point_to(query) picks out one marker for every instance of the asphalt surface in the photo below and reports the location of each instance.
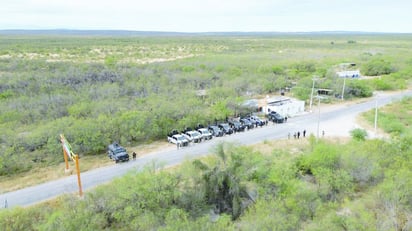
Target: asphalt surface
(335, 120)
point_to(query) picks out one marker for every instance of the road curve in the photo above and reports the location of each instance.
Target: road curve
(342, 115)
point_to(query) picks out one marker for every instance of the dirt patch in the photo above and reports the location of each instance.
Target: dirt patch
(150, 148)
(48, 173)
(159, 60)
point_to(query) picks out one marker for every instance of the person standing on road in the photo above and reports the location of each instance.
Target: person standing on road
(298, 135)
(134, 155)
(304, 133)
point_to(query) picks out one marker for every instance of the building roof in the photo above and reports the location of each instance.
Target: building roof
(345, 65)
(251, 103)
(346, 74)
(280, 100)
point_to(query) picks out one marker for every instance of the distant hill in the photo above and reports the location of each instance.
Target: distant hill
(90, 32)
(166, 33)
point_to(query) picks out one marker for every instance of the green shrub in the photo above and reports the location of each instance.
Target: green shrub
(377, 67)
(389, 82)
(356, 88)
(359, 134)
(23, 218)
(322, 156)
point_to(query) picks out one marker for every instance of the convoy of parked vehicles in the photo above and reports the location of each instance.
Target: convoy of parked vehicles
(202, 133)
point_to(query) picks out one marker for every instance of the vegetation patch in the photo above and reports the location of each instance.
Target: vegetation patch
(329, 185)
(134, 90)
(353, 185)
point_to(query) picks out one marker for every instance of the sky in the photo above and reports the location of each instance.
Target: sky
(209, 15)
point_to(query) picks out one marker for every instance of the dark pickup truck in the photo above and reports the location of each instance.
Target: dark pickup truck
(275, 117)
(117, 153)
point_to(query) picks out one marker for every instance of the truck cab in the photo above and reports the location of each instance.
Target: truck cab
(117, 153)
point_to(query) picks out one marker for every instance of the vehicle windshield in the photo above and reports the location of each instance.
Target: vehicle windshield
(225, 126)
(203, 130)
(181, 138)
(119, 150)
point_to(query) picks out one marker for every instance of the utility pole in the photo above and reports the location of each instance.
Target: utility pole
(318, 116)
(376, 116)
(311, 94)
(343, 88)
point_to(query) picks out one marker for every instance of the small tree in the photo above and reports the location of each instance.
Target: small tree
(377, 67)
(223, 186)
(359, 134)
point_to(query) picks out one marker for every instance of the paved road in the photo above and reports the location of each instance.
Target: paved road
(338, 120)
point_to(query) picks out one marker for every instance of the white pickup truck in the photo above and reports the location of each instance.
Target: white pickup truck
(177, 139)
(206, 135)
(193, 136)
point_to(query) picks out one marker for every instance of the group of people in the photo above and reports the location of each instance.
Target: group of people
(296, 135)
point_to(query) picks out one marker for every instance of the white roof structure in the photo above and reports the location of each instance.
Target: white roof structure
(349, 74)
(278, 100)
(285, 106)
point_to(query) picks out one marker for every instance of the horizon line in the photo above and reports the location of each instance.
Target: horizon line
(199, 32)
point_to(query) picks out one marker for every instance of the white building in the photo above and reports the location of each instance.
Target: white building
(285, 106)
(349, 74)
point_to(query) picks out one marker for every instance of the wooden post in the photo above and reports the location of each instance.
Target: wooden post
(67, 152)
(65, 160)
(64, 153)
(76, 158)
